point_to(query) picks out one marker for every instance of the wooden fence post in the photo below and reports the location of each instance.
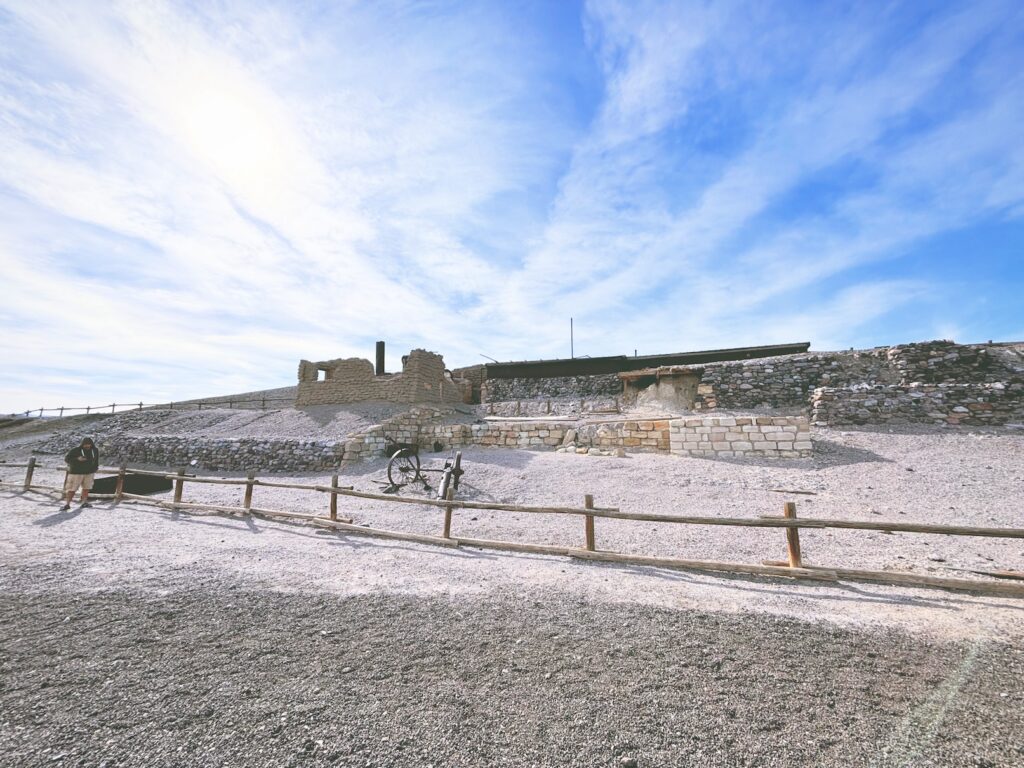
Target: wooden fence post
(179, 486)
(140, 406)
(448, 513)
(29, 472)
(250, 482)
(334, 498)
(61, 412)
(588, 502)
(119, 488)
(792, 537)
(87, 408)
(112, 407)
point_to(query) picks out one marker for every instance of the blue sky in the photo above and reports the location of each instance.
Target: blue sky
(194, 196)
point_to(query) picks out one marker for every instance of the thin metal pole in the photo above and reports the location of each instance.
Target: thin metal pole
(572, 345)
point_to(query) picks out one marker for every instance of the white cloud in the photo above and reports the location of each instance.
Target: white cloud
(194, 194)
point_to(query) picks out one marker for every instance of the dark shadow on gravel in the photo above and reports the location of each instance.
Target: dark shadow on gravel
(58, 517)
(768, 585)
(829, 453)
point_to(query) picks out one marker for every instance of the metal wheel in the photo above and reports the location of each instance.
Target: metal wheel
(404, 467)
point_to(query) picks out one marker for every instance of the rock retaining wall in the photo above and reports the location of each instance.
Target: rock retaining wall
(559, 387)
(927, 382)
(222, 454)
(705, 436)
(968, 404)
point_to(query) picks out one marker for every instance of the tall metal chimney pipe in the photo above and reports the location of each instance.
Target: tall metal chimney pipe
(380, 358)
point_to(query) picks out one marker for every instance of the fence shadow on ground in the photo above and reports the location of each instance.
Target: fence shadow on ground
(782, 587)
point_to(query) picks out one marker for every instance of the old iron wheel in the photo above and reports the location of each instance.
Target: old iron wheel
(404, 467)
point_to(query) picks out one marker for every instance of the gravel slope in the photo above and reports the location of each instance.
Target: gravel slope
(217, 674)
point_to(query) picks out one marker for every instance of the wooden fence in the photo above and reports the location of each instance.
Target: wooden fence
(181, 406)
(792, 567)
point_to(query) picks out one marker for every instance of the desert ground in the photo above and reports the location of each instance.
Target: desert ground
(134, 635)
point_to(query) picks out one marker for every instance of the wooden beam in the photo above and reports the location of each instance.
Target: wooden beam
(792, 536)
(179, 485)
(588, 522)
(29, 471)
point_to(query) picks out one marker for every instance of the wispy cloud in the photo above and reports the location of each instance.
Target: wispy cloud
(197, 196)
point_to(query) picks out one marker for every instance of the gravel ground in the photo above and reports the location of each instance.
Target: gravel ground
(135, 636)
(211, 672)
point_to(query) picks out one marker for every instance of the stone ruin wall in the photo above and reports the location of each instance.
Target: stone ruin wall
(704, 436)
(352, 380)
(928, 382)
(554, 388)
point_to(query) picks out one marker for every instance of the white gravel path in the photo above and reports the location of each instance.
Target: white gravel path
(917, 475)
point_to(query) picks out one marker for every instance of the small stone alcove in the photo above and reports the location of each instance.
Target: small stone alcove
(676, 387)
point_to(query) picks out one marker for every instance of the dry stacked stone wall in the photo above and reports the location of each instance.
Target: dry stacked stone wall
(981, 405)
(927, 382)
(560, 387)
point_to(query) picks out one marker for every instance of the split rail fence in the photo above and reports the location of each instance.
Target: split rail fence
(792, 567)
(180, 406)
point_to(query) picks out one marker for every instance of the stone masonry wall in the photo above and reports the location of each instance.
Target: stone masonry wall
(969, 377)
(350, 380)
(918, 403)
(704, 436)
(225, 454)
(494, 390)
(742, 436)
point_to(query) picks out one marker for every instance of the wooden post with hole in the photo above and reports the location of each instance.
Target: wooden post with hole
(179, 485)
(448, 514)
(588, 502)
(250, 482)
(119, 488)
(334, 498)
(792, 537)
(29, 471)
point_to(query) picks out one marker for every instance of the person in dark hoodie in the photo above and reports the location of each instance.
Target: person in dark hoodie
(82, 462)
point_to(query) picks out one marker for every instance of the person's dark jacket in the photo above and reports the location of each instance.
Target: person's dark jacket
(82, 461)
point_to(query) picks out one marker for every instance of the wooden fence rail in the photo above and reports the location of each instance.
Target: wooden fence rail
(793, 567)
(185, 405)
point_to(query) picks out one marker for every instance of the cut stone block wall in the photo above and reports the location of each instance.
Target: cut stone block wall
(351, 380)
(741, 436)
